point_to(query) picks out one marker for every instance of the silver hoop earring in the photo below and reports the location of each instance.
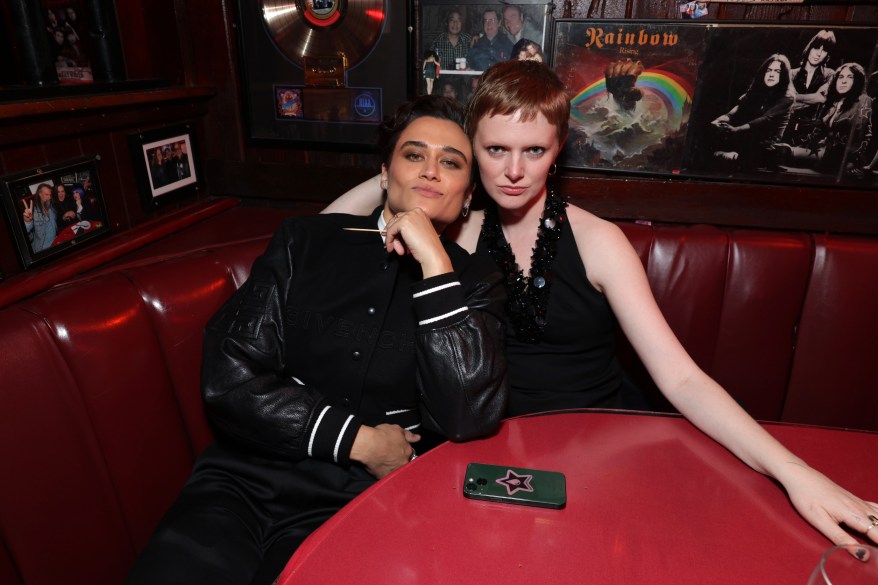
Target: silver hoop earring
(465, 210)
(553, 169)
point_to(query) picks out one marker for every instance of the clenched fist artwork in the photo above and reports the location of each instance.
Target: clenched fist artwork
(621, 77)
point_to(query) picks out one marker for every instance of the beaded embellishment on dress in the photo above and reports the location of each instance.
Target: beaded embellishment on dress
(527, 297)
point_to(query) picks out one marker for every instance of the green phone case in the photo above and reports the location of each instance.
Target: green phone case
(515, 485)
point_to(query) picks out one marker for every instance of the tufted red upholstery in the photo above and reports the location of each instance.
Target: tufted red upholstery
(100, 412)
(833, 378)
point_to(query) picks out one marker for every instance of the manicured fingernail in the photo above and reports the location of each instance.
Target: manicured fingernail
(861, 553)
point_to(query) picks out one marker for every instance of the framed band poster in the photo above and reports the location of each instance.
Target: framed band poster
(743, 101)
(322, 72)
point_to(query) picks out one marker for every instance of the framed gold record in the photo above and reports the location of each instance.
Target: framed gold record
(321, 28)
(344, 62)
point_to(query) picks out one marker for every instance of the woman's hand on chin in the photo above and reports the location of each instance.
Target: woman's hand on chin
(412, 232)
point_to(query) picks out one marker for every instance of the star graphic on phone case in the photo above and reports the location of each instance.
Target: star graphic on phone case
(515, 483)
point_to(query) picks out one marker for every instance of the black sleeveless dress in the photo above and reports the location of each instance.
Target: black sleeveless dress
(574, 365)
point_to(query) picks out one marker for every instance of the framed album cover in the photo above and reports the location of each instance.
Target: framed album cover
(457, 41)
(54, 209)
(766, 103)
(164, 164)
(69, 39)
(322, 74)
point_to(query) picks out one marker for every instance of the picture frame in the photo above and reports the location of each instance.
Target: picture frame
(165, 164)
(456, 41)
(678, 98)
(55, 209)
(70, 43)
(325, 74)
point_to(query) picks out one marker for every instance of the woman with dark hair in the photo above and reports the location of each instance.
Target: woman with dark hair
(64, 206)
(847, 120)
(840, 141)
(747, 133)
(811, 83)
(351, 334)
(430, 69)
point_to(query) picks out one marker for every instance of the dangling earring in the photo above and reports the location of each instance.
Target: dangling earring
(465, 210)
(553, 169)
(384, 184)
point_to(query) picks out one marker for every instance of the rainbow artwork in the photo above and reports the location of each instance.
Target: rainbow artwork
(674, 92)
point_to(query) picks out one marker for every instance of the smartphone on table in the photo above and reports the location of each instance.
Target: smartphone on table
(515, 485)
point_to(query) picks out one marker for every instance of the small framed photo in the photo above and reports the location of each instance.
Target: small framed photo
(54, 209)
(70, 43)
(164, 164)
(693, 9)
(288, 102)
(457, 41)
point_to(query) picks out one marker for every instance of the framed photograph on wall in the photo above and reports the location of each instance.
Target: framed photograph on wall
(164, 164)
(54, 209)
(69, 41)
(741, 101)
(457, 41)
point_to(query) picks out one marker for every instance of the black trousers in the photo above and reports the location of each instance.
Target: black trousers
(239, 518)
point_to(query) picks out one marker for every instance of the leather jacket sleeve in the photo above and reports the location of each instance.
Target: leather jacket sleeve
(461, 364)
(247, 396)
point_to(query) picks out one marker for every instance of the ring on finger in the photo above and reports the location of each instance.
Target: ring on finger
(873, 520)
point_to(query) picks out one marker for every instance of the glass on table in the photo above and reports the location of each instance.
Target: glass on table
(847, 565)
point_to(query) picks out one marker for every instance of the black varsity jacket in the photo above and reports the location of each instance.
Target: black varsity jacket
(330, 332)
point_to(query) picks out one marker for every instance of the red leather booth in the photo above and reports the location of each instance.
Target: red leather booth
(100, 413)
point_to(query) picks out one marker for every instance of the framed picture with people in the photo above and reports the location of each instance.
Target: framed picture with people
(457, 41)
(164, 164)
(777, 104)
(54, 209)
(70, 44)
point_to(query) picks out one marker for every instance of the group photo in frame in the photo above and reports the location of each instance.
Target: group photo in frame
(733, 101)
(69, 40)
(164, 164)
(457, 41)
(54, 209)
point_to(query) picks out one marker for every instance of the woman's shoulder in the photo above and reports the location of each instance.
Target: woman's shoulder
(587, 226)
(602, 246)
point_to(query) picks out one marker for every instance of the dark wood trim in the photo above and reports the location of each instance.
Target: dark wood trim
(732, 204)
(19, 111)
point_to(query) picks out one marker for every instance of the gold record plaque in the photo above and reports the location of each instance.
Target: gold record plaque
(322, 71)
(324, 28)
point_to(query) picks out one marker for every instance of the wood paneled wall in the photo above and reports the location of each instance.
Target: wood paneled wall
(191, 45)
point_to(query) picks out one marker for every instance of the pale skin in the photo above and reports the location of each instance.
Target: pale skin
(816, 56)
(45, 195)
(428, 183)
(28, 213)
(514, 157)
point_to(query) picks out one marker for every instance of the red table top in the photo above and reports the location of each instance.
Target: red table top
(650, 499)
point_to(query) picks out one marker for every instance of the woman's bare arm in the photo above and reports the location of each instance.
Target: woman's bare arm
(360, 200)
(615, 269)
